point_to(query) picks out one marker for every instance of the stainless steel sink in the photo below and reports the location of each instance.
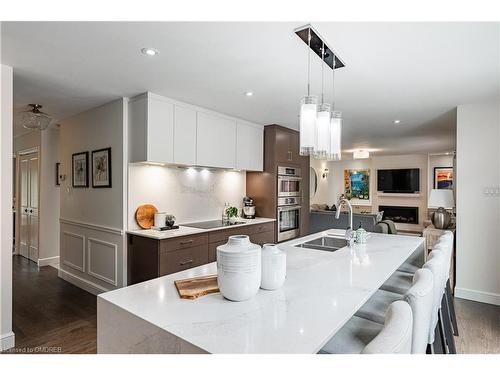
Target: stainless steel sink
(325, 243)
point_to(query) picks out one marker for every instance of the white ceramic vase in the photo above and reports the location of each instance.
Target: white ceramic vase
(238, 268)
(273, 267)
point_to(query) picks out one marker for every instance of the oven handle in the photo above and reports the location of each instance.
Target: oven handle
(289, 178)
(288, 208)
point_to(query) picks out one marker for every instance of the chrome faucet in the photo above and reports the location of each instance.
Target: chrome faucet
(349, 233)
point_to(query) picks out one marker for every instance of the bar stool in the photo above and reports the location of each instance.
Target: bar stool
(363, 336)
(446, 243)
(439, 338)
(420, 297)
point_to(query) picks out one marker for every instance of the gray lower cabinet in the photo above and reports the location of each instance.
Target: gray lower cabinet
(149, 258)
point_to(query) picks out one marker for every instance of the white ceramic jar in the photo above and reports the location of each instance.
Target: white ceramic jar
(273, 267)
(160, 219)
(238, 268)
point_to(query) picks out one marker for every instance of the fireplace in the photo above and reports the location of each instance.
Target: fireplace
(400, 214)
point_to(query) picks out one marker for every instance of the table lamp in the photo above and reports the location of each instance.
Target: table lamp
(441, 199)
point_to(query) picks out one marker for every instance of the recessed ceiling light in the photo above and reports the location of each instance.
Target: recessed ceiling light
(150, 51)
(249, 93)
(397, 122)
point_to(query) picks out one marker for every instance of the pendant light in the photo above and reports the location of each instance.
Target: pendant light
(335, 125)
(323, 118)
(308, 112)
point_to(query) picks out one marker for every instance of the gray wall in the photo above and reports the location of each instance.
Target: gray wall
(92, 220)
(478, 214)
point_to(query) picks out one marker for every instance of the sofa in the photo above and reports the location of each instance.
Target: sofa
(320, 220)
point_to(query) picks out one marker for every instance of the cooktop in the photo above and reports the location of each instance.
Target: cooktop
(211, 224)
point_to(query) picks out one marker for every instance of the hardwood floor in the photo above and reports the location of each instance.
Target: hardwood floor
(478, 326)
(50, 314)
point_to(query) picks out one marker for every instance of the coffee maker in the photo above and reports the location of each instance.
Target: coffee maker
(248, 208)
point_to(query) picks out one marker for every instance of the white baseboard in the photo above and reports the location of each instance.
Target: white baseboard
(7, 341)
(87, 285)
(478, 296)
(48, 261)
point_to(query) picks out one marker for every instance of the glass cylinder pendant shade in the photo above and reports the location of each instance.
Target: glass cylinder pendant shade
(308, 111)
(335, 136)
(323, 131)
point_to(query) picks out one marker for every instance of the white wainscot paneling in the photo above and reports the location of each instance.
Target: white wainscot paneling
(102, 260)
(73, 246)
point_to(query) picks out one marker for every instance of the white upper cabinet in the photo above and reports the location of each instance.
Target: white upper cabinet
(160, 131)
(184, 135)
(249, 147)
(151, 129)
(215, 141)
(163, 130)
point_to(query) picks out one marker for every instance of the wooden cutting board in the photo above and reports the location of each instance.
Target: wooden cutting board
(145, 215)
(197, 286)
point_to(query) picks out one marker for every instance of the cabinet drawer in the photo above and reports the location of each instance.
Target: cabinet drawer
(260, 228)
(262, 238)
(212, 250)
(223, 235)
(183, 259)
(183, 242)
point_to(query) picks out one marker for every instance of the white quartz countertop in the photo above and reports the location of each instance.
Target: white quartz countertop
(184, 230)
(321, 293)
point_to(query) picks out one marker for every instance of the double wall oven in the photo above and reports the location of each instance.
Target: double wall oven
(289, 204)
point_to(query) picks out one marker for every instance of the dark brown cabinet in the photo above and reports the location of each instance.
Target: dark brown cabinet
(287, 146)
(281, 148)
(149, 258)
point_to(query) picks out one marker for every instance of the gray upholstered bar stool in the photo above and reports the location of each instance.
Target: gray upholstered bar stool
(363, 336)
(400, 282)
(420, 297)
(446, 244)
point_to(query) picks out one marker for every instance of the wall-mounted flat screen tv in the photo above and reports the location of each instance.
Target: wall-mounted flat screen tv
(398, 180)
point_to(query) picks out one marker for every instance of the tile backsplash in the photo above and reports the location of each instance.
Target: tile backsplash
(189, 194)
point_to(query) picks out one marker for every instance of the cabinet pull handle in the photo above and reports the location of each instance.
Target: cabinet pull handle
(186, 262)
(31, 211)
(186, 242)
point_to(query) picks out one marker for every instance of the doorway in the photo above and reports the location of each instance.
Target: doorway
(28, 193)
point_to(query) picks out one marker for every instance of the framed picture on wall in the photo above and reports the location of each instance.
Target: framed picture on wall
(357, 184)
(58, 178)
(80, 169)
(101, 168)
(443, 178)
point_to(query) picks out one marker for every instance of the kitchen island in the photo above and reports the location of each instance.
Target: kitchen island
(322, 291)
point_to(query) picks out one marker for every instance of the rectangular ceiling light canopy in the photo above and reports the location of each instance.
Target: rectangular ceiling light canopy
(316, 45)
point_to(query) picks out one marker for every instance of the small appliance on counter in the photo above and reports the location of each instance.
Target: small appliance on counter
(248, 208)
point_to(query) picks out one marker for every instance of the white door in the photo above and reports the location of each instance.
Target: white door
(24, 206)
(28, 192)
(33, 209)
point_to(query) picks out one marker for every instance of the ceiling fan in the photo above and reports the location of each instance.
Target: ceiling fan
(36, 119)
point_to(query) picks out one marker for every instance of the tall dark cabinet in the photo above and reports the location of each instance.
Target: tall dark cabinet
(281, 148)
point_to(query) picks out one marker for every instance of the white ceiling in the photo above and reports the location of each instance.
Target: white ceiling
(415, 72)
